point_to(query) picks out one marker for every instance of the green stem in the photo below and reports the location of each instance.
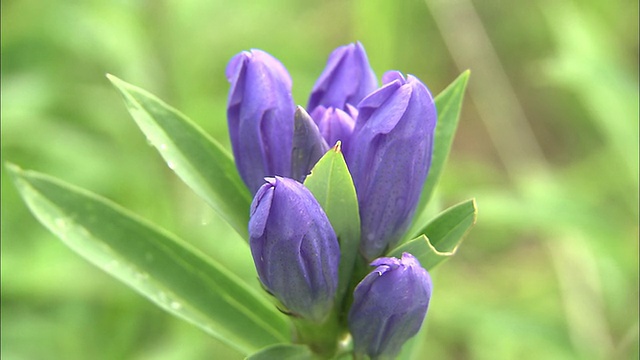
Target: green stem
(322, 338)
(360, 269)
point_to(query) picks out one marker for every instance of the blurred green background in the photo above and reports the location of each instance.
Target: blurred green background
(548, 144)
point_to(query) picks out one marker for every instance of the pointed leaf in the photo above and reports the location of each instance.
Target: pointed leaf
(448, 229)
(331, 184)
(202, 163)
(153, 262)
(448, 103)
(283, 352)
(442, 235)
(423, 250)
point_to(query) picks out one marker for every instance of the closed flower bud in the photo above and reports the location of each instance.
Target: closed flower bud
(389, 155)
(260, 115)
(294, 248)
(389, 306)
(308, 145)
(335, 124)
(346, 79)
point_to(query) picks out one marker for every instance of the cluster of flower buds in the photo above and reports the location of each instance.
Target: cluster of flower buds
(387, 137)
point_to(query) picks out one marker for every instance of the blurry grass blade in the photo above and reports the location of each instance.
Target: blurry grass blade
(200, 161)
(283, 352)
(331, 184)
(588, 62)
(448, 103)
(153, 262)
(442, 236)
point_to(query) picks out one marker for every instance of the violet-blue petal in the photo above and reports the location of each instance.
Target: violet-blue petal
(389, 306)
(294, 247)
(391, 76)
(346, 79)
(335, 124)
(389, 154)
(308, 145)
(260, 116)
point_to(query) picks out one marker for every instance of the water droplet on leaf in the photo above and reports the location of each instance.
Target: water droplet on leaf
(176, 305)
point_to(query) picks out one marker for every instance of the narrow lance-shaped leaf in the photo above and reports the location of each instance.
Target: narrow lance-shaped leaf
(442, 236)
(202, 163)
(330, 183)
(448, 103)
(153, 262)
(283, 352)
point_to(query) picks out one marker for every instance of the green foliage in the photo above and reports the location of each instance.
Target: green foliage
(199, 160)
(441, 237)
(283, 352)
(331, 184)
(153, 262)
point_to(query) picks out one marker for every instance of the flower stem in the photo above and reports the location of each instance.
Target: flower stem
(322, 338)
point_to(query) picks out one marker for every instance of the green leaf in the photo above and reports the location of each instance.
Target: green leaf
(448, 229)
(331, 184)
(442, 236)
(202, 163)
(448, 103)
(153, 262)
(283, 352)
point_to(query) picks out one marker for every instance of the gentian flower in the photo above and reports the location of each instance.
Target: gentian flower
(335, 124)
(346, 79)
(260, 116)
(389, 154)
(294, 247)
(308, 145)
(389, 306)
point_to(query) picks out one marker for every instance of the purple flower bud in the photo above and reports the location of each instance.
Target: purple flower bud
(260, 115)
(389, 154)
(389, 306)
(294, 248)
(308, 145)
(346, 79)
(335, 124)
